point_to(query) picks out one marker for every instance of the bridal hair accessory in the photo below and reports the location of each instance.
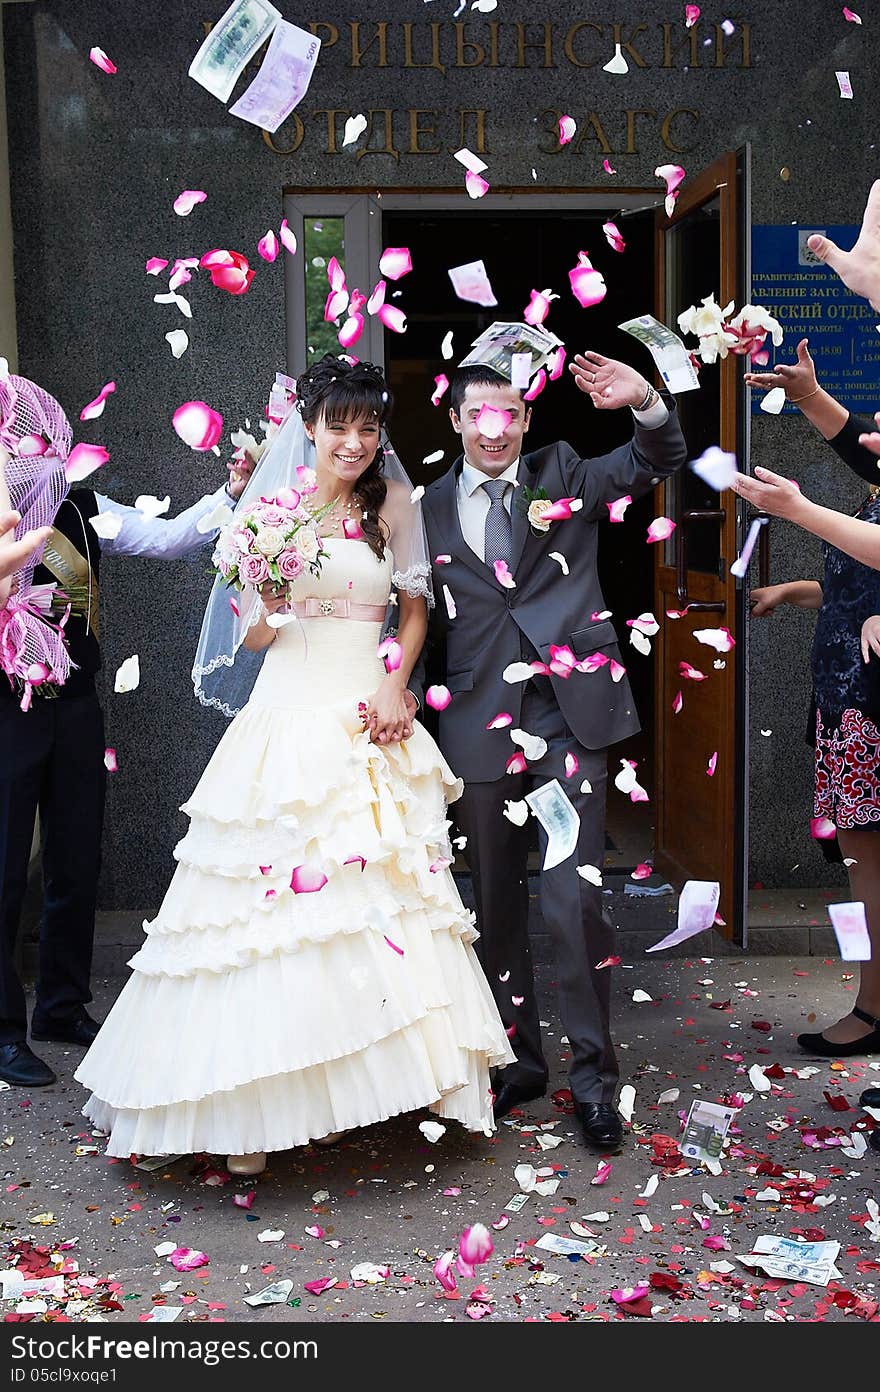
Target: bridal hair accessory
(37, 435)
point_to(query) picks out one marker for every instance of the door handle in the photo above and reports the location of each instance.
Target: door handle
(694, 515)
(764, 551)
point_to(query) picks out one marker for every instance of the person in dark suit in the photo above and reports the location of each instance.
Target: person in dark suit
(477, 524)
(52, 762)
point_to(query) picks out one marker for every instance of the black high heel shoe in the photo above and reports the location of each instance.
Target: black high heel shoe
(868, 1044)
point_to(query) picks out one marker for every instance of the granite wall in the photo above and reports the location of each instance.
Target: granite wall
(97, 160)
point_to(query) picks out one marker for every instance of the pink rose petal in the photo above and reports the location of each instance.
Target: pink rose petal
(712, 765)
(110, 763)
(516, 763)
(84, 460)
(318, 1287)
(245, 1200)
(335, 274)
(234, 607)
(443, 560)
(356, 860)
(691, 673)
(501, 1222)
(155, 265)
(391, 653)
(642, 872)
(557, 363)
(187, 1259)
(351, 331)
(677, 703)
(617, 670)
(265, 869)
(438, 697)
(603, 1172)
(538, 307)
(100, 59)
(491, 422)
(268, 246)
(96, 408)
(821, 829)
(352, 529)
(691, 15)
(593, 662)
(500, 721)
(307, 880)
(198, 425)
(661, 528)
(441, 863)
(503, 575)
(848, 14)
(567, 128)
(392, 318)
(608, 962)
(393, 945)
(613, 236)
(475, 184)
(626, 1294)
(587, 284)
(377, 297)
(288, 238)
(571, 765)
(395, 262)
(315, 1231)
(560, 510)
(607, 167)
(617, 509)
(336, 304)
(538, 385)
(443, 1271)
(186, 201)
(441, 384)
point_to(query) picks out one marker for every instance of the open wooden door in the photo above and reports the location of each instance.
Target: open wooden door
(701, 818)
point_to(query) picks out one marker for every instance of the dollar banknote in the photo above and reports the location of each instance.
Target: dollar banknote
(283, 79)
(231, 45)
(557, 815)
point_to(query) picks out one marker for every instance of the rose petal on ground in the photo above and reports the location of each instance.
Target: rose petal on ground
(443, 1271)
(661, 528)
(96, 408)
(318, 1287)
(268, 246)
(155, 265)
(603, 1172)
(438, 697)
(306, 879)
(567, 129)
(198, 425)
(395, 262)
(626, 1101)
(84, 460)
(608, 962)
(613, 236)
(640, 997)
(187, 1259)
(100, 59)
(245, 1200)
(186, 201)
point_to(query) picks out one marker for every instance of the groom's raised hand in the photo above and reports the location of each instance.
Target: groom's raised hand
(608, 383)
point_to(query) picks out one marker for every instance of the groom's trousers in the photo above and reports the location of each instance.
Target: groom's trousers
(51, 761)
(571, 907)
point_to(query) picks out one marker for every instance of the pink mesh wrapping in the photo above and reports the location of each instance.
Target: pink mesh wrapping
(37, 434)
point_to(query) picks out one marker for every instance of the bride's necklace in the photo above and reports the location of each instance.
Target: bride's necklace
(335, 514)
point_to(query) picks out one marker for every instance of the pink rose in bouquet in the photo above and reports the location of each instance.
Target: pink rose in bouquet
(290, 565)
(253, 570)
(275, 541)
(268, 515)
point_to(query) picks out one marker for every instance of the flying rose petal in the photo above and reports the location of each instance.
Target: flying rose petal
(591, 873)
(607, 167)
(516, 763)
(443, 559)
(618, 63)
(673, 174)
(178, 342)
(613, 236)
(441, 863)
(288, 240)
(84, 460)
(438, 697)
(608, 962)
(100, 59)
(593, 662)
(617, 509)
(155, 265)
(691, 15)
(475, 1245)
(352, 529)
(128, 675)
(449, 601)
(821, 829)
(567, 128)
(491, 422)
(503, 575)
(395, 262)
(391, 652)
(268, 246)
(661, 528)
(307, 880)
(151, 506)
(110, 763)
(376, 298)
(617, 670)
(677, 703)
(354, 127)
(441, 385)
(475, 184)
(721, 639)
(537, 386)
(712, 765)
(645, 623)
(443, 1271)
(198, 425)
(538, 307)
(562, 660)
(234, 607)
(848, 14)
(557, 363)
(392, 318)
(96, 408)
(571, 765)
(587, 284)
(560, 560)
(500, 721)
(186, 201)
(691, 673)
(351, 331)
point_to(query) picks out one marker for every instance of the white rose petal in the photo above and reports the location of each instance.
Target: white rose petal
(432, 1131)
(591, 873)
(428, 459)
(517, 672)
(758, 1079)
(640, 642)
(586, 786)
(178, 342)
(446, 346)
(774, 401)
(150, 506)
(354, 127)
(560, 559)
(419, 491)
(129, 675)
(531, 745)
(516, 812)
(270, 1235)
(626, 1101)
(639, 996)
(217, 517)
(106, 524)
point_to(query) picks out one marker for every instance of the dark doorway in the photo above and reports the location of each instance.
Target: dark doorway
(521, 251)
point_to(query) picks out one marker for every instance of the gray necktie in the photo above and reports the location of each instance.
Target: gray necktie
(498, 530)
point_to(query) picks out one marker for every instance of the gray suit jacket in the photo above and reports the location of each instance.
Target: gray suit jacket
(469, 653)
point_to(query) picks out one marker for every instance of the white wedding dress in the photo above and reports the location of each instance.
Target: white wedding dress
(258, 1019)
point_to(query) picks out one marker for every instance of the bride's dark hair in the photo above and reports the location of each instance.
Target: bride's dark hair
(335, 388)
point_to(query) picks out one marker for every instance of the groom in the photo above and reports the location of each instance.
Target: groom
(475, 517)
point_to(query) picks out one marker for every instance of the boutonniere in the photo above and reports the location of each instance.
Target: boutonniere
(542, 510)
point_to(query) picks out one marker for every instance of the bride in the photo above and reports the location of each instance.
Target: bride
(259, 1015)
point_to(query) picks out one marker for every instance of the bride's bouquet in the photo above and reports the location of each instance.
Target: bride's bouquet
(272, 543)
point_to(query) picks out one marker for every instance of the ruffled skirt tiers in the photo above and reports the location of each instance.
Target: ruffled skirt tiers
(257, 1018)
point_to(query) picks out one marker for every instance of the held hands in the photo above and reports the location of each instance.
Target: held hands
(798, 378)
(240, 471)
(389, 713)
(608, 383)
(769, 492)
(870, 638)
(860, 268)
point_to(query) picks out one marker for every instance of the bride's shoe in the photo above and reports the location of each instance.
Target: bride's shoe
(247, 1164)
(331, 1138)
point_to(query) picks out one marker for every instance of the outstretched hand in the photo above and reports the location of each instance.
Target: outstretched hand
(240, 471)
(871, 440)
(860, 268)
(608, 383)
(797, 378)
(769, 492)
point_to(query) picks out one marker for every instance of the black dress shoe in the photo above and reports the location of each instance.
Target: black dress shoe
(870, 1097)
(868, 1044)
(510, 1095)
(601, 1124)
(20, 1066)
(82, 1029)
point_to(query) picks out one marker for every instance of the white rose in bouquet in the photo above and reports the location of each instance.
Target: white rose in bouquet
(307, 544)
(269, 542)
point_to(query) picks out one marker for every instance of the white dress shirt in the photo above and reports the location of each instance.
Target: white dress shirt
(473, 500)
(163, 538)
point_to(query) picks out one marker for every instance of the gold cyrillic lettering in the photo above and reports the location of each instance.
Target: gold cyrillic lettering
(388, 147)
(464, 45)
(569, 43)
(331, 113)
(666, 129)
(408, 59)
(416, 131)
(331, 36)
(744, 33)
(478, 144)
(522, 43)
(592, 130)
(551, 130)
(631, 114)
(380, 37)
(617, 30)
(299, 132)
(691, 41)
